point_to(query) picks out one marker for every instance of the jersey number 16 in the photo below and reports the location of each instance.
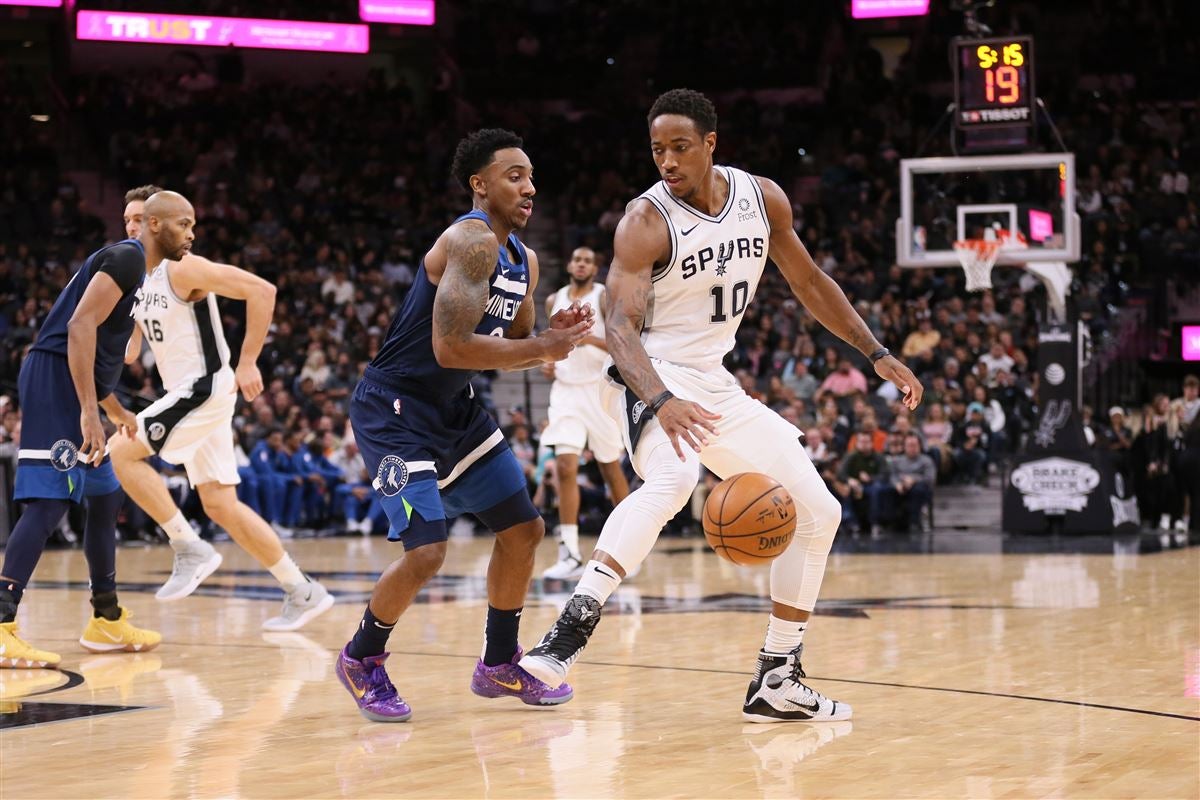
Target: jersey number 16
(153, 330)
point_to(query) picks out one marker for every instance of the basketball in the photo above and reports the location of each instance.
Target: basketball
(749, 519)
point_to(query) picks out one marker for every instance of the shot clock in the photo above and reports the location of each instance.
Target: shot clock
(993, 83)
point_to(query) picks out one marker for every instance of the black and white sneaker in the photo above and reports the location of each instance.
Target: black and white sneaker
(558, 649)
(777, 695)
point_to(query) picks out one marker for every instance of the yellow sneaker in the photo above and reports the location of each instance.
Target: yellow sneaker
(103, 636)
(16, 653)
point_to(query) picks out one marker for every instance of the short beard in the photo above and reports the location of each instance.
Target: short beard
(578, 284)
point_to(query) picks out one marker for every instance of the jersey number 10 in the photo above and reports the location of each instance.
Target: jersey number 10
(740, 296)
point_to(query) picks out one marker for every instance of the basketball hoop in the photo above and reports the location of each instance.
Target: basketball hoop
(978, 256)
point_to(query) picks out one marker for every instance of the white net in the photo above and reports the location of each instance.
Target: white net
(977, 257)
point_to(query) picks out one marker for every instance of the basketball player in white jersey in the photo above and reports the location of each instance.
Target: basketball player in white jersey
(192, 423)
(577, 419)
(688, 256)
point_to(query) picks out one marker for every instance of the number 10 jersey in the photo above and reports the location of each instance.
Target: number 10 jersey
(699, 296)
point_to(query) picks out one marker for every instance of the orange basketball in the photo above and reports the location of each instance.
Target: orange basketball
(749, 519)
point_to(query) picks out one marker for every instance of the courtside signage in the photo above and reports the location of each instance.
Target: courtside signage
(34, 3)
(177, 29)
(870, 9)
(397, 12)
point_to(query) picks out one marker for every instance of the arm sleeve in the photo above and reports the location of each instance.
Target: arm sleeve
(125, 264)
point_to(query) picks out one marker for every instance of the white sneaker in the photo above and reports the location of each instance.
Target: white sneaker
(305, 602)
(282, 531)
(1181, 525)
(567, 568)
(1164, 522)
(777, 695)
(194, 561)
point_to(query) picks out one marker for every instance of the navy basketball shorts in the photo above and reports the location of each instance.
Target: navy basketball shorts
(438, 459)
(48, 465)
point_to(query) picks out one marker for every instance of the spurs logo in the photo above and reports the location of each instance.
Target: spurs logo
(639, 408)
(1053, 419)
(723, 255)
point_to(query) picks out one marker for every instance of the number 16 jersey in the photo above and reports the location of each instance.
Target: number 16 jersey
(699, 296)
(185, 337)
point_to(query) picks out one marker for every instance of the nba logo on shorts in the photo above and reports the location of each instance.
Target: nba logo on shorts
(157, 431)
(64, 455)
(392, 476)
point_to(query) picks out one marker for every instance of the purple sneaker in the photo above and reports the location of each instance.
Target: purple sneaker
(509, 680)
(368, 681)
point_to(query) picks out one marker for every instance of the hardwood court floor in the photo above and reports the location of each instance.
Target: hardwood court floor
(983, 676)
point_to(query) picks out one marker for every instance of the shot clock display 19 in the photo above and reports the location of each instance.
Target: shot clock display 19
(993, 82)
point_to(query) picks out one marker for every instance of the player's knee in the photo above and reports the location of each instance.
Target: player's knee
(672, 484)
(425, 561)
(123, 450)
(526, 536)
(220, 505)
(819, 517)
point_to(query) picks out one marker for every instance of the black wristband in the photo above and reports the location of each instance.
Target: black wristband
(882, 352)
(660, 401)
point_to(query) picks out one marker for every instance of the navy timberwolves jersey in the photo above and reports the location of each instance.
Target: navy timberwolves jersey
(125, 263)
(406, 362)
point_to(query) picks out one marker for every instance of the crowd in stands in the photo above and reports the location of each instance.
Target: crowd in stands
(332, 191)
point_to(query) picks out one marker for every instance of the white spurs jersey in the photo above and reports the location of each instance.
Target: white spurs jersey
(186, 338)
(585, 364)
(699, 296)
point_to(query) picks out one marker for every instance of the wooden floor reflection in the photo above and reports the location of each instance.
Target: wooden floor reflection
(971, 676)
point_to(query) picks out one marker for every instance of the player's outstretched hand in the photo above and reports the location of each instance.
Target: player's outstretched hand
(249, 380)
(573, 315)
(559, 342)
(125, 420)
(686, 422)
(892, 369)
(91, 449)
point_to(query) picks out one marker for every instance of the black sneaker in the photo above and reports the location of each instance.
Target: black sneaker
(777, 695)
(558, 649)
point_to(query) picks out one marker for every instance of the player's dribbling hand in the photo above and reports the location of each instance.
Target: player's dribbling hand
(91, 449)
(892, 369)
(686, 422)
(573, 315)
(559, 342)
(249, 380)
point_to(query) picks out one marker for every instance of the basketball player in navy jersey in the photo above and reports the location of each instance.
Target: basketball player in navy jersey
(433, 450)
(68, 375)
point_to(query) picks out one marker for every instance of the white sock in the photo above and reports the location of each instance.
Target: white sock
(569, 536)
(178, 529)
(783, 636)
(287, 573)
(598, 581)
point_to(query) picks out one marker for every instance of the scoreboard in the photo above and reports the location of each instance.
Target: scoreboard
(993, 83)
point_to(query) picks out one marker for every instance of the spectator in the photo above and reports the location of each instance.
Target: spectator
(862, 480)
(970, 441)
(845, 381)
(912, 475)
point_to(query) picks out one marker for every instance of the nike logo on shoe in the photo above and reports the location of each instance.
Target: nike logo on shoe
(814, 708)
(689, 230)
(110, 636)
(514, 686)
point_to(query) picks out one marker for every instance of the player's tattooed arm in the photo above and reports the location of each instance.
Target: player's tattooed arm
(458, 306)
(640, 242)
(821, 295)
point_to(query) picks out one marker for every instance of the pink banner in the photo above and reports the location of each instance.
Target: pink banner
(37, 3)
(1041, 225)
(868, 9)
(270, 34)
(1191, 342)
(397, 12)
